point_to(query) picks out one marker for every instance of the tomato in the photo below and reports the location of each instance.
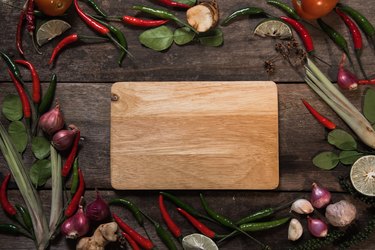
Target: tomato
(53, 7)
(313, 9)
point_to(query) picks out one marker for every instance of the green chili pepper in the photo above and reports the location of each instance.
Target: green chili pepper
(336, 37)
(75, 178)
(285, 8)
(248, 11)
(260, 226)
(26, 218)
(96, 7)
(132, 208)
(12, 230)
(12, 66)
(164, 14)
(256, 216)
(185, 206)
(48, 97)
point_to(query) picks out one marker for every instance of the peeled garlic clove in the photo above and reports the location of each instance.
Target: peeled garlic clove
(302, 206)
(295, 230)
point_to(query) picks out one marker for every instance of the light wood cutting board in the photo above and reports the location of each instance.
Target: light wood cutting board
(194, 135)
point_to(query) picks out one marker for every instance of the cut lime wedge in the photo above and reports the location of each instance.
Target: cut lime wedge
(273, 28)
(362, 175)
(198, 242)
(51, 29)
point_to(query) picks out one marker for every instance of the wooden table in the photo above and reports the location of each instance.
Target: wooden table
(86, 73)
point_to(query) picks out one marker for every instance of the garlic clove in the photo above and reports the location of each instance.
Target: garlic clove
(295, 230)
(302, 206)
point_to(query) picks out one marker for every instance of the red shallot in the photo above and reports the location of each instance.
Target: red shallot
(346, 79)
(63, 139)
(320, 196)
(52, 121)
(317, 227)
(97, 210)
(76, 226)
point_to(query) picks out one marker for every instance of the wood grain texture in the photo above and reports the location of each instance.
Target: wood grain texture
(194, 135)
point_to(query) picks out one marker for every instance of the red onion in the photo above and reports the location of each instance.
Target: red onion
(97, 210)
(52, 121)
(346, 79)
(63, 139)
(76, 226)
(320, 197)
(317, 227)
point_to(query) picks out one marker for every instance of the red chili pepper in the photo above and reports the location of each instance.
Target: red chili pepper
(142, 241)
(23, 96)
(142, 22)
(366, 82)
(302, 32)
(30, 18)
(8, 208)
(72, 155)
(173, 4)
(34, 77)
(320, 118)
(74, 203)
(98, 27)
(197, 224)
(19, 33)
(175, 230)
(132, 242)
(62, 44)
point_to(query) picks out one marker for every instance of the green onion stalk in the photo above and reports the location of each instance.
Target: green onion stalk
(340, 104)
(28, 192)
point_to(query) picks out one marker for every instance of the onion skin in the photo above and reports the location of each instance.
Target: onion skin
(317, 227)
(63, 139)
(52, 121)
(320, 197)
(76, 226)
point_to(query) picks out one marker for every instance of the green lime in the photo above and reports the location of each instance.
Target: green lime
(51, 29)
(362, 175)
(198, 242)
(273, 28)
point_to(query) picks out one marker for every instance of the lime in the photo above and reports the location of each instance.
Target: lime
(273, 28)
(362, 175)
(198, 242)
(51, 29)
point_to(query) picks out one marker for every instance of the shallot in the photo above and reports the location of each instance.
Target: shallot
(320, 196)
(63, 139)
(317, 227)
(97, 210)
(76, 226)
(346, 79)
(52, 121)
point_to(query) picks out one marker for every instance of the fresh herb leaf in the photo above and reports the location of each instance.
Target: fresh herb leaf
(342, 140)
(40, 146)
(349, 157)
(12, 107)
(159, 39)
(326, 160)
(183, 36)
(369, 105)
(213, 38)
(40, 172)
(18, 133)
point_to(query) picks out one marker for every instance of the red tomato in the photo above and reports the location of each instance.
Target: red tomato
(313, 9)
(53, 7)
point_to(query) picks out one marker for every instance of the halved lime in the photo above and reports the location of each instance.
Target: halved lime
(51, 29)
(362, 175)
(273, 28)
(198, 242)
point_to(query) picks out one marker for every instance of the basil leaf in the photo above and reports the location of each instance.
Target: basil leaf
(369, 105)
(12, 107)
(342, 140)
(40, 147)
(40, 172)
(349, 157)
(212, 38)
(18, 133)
(183, 36)
(188, 2)
(326, 160)
(160, 38)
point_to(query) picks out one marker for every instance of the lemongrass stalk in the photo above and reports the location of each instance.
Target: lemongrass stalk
(25, 186)
(57, 191)
(340, 104)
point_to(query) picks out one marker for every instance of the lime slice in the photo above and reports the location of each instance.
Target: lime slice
(273, 28)
(198, 242)
(362, 175)
(51, 29)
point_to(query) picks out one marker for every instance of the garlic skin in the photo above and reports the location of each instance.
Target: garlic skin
(302, 206)
(295, 230)
(341, 214)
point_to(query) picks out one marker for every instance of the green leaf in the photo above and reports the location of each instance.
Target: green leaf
(349, 157)
(188, 2)
(160, 38)
(18, 133)
(40, 172)
(213, 38)
(12, 107)
(326, 160)
(40, 146)
(183, 36)
(369, 105)
(342, 140)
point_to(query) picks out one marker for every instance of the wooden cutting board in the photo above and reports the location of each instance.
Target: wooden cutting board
(194, 135)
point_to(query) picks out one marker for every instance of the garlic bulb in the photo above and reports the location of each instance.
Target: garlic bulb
(302, 206)
(295, 230)
(341, 213)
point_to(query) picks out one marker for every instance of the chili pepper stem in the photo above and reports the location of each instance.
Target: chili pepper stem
(358, 57)
(119, 45)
